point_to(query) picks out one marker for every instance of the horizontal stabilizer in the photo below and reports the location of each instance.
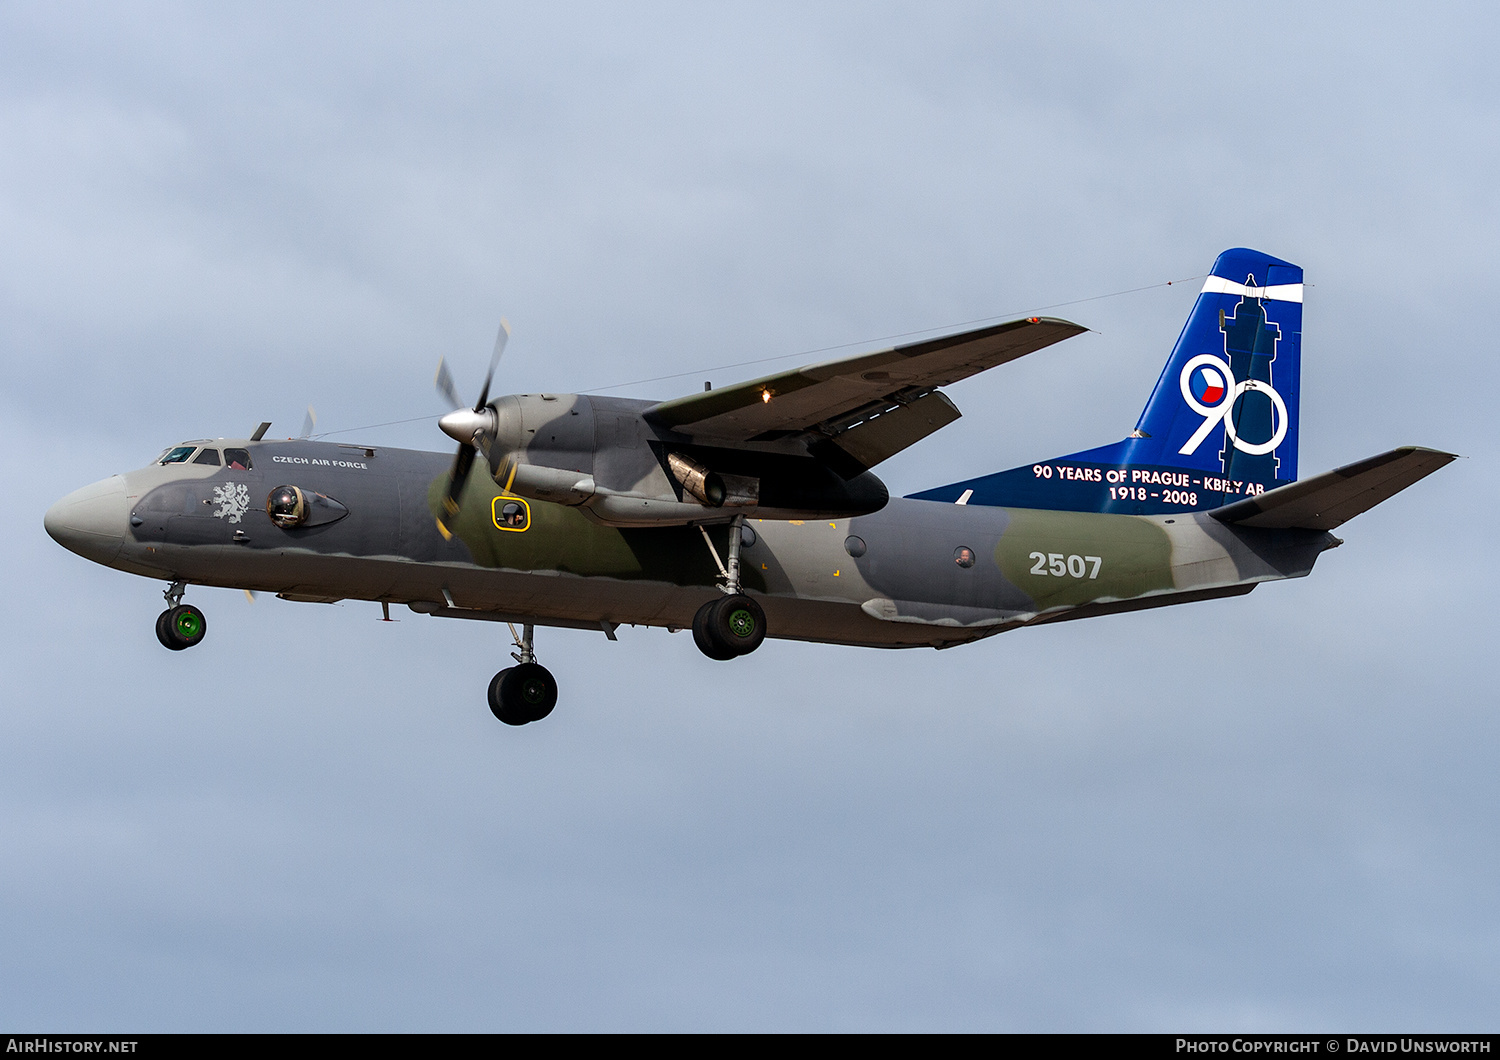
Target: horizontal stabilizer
(1334, 497)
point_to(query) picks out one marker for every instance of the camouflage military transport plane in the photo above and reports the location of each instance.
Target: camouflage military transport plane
(752, 510)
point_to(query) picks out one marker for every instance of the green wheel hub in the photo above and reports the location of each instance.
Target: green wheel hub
(180, 627)
(741, 622)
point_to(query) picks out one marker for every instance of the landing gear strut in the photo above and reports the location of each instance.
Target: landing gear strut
(734, 624)
(180, 625)
(527, 691)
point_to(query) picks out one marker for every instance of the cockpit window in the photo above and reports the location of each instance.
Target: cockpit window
(178, 455)
(208, 456)
(237, 459)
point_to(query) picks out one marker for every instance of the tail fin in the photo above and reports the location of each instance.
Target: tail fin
(1220, 425)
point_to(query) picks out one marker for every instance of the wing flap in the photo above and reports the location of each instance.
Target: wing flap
(883, 436)
(1334, 497)
(803, 398)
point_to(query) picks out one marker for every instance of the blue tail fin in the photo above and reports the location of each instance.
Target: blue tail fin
(1220, 425)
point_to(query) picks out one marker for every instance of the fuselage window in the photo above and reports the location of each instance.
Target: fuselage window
(178, 455)
(963, 555)
(237, 459)
(513, 516)
(510, 514)
(208, 456)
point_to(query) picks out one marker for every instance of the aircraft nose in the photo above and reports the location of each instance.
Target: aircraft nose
(92, 521)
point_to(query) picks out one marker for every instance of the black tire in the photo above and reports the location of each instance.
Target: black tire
(162, 634)
(705, 639)
(499, 706)
(522, 694)
(532, 688)
(729, 627)
(181, 627)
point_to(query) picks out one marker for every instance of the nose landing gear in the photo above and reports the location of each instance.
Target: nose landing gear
(525, 692)
(180, 625)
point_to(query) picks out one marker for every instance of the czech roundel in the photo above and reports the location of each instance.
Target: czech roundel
(1208, 385)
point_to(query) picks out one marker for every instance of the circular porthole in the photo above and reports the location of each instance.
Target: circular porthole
(855, 546)
(963, 555)
(513, 515)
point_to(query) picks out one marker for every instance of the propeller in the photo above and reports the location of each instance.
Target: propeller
(444, 383)
(469, 427)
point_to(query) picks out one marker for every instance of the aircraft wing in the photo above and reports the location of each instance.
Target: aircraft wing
(1324, 501)
(871, 406)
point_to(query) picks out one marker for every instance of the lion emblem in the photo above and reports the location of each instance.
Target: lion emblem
(233, 499)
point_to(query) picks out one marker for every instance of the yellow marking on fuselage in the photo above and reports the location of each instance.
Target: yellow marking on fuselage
(495, 514)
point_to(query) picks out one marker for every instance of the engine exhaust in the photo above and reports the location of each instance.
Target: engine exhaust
(697, 480)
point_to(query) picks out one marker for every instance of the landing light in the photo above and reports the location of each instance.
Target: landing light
(765, 397)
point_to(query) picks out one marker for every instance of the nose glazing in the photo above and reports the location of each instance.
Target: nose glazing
(92, 521)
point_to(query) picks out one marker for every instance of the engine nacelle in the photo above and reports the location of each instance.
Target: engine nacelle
(602, 456)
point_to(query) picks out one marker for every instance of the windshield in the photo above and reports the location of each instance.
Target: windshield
(178, 455)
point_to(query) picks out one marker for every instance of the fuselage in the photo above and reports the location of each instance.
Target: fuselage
(915, 573)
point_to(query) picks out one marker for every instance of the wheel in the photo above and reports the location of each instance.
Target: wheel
(729, 627)
(532, 688)
(739, 622)
(499, 707)
(162, 634)
(704, 639)
(180, 627)
(522, 694)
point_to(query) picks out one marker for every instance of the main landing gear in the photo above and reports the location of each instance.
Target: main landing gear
(525, 692)
(180, 625)
(734, 624)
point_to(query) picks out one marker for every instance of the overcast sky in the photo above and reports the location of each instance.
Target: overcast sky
(1276, 812)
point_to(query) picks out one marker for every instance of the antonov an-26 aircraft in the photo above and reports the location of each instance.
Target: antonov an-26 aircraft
(752, 510)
